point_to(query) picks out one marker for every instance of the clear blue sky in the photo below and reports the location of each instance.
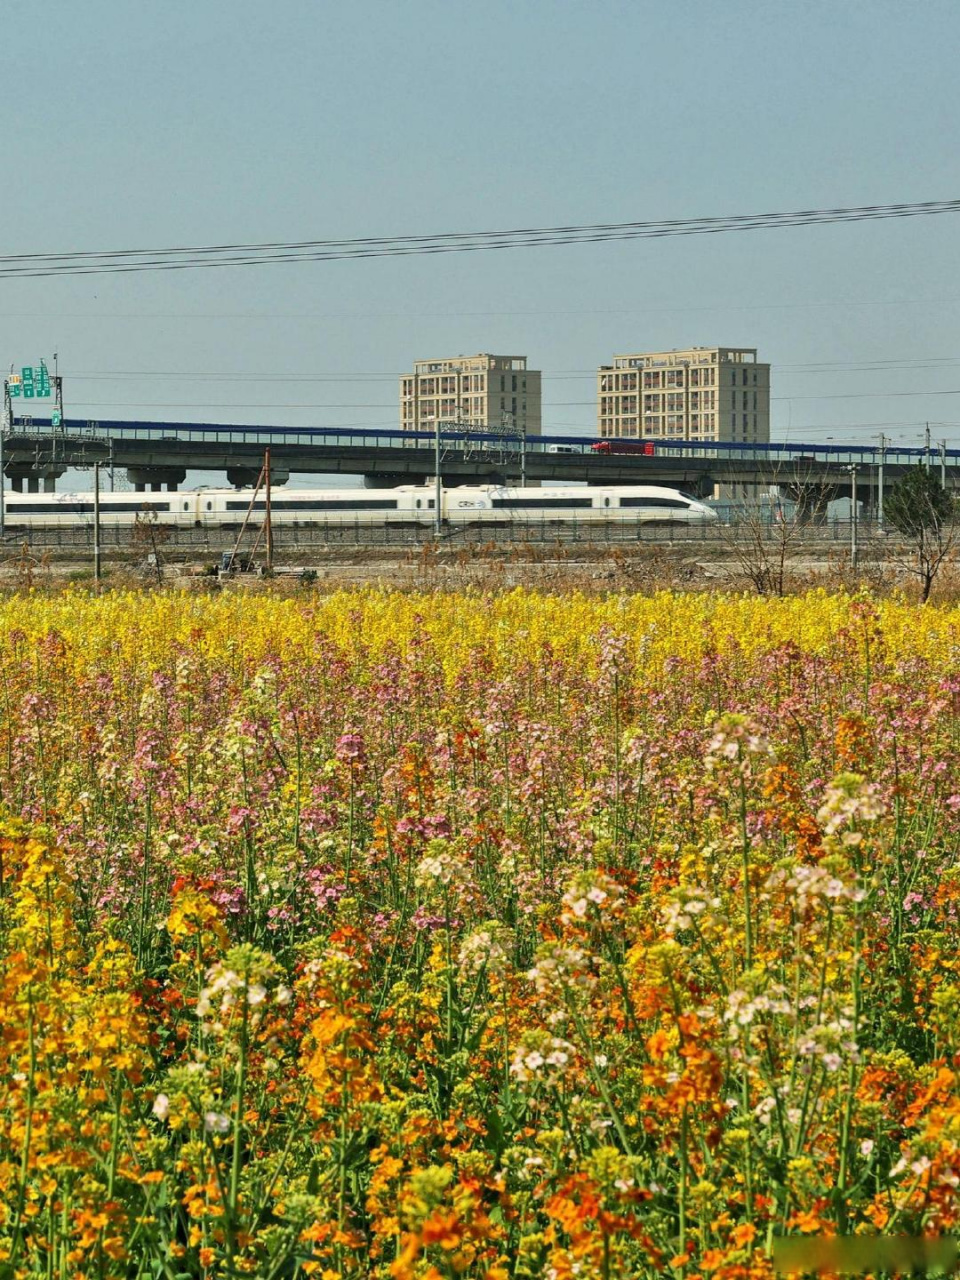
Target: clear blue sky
(130, 123)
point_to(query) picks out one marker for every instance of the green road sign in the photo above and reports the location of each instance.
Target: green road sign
(30, 383)
(56, 418)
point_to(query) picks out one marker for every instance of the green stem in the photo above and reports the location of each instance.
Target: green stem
(238, 1113)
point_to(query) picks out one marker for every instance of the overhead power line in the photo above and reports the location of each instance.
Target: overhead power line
(891, 365)
(195, 257)
(371, 404)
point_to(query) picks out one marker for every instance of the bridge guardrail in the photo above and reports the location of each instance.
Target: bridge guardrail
(774, 452)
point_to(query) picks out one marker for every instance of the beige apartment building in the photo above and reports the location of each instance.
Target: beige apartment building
(482, 393)
(703, 393)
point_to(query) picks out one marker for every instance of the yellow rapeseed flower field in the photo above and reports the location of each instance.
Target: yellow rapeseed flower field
(415, 935)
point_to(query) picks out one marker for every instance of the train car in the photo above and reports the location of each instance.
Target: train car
(223, 508)
(407, 504)
(646, 447)
(38, 510)
(638, 504)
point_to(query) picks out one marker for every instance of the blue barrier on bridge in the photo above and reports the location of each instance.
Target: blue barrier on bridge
(367, 437)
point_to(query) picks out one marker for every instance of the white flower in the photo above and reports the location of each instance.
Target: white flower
(866, 1146)
(736, 737)
(588, 887)
(763, 1109)
(161, 1106)
(560, 966)
(256, 993)
(687, 902)
(486, 948)
(441, 867)
(541, 1057)
(216, 1122)
(848, 801)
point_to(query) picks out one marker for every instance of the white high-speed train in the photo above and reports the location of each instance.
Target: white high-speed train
(408, 504)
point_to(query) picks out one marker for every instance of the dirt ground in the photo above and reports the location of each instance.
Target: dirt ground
(628, 567)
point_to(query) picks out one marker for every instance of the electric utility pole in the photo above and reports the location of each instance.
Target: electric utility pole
(438, 487)
(854, 548)
(96, 525)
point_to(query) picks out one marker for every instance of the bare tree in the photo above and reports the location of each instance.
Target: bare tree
(763, 539)
(149, 532)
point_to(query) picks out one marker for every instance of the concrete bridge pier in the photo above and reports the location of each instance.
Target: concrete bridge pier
(46, 474)
(155, 478)
(247, 477)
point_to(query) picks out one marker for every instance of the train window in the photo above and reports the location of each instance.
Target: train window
(86, 508)
(186, 506)
(209, 506)
(654, 502)
(542, 503)
(606, 502)
(319, 504)
(419, 504)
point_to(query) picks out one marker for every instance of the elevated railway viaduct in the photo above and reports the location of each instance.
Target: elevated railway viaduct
(161, 454)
